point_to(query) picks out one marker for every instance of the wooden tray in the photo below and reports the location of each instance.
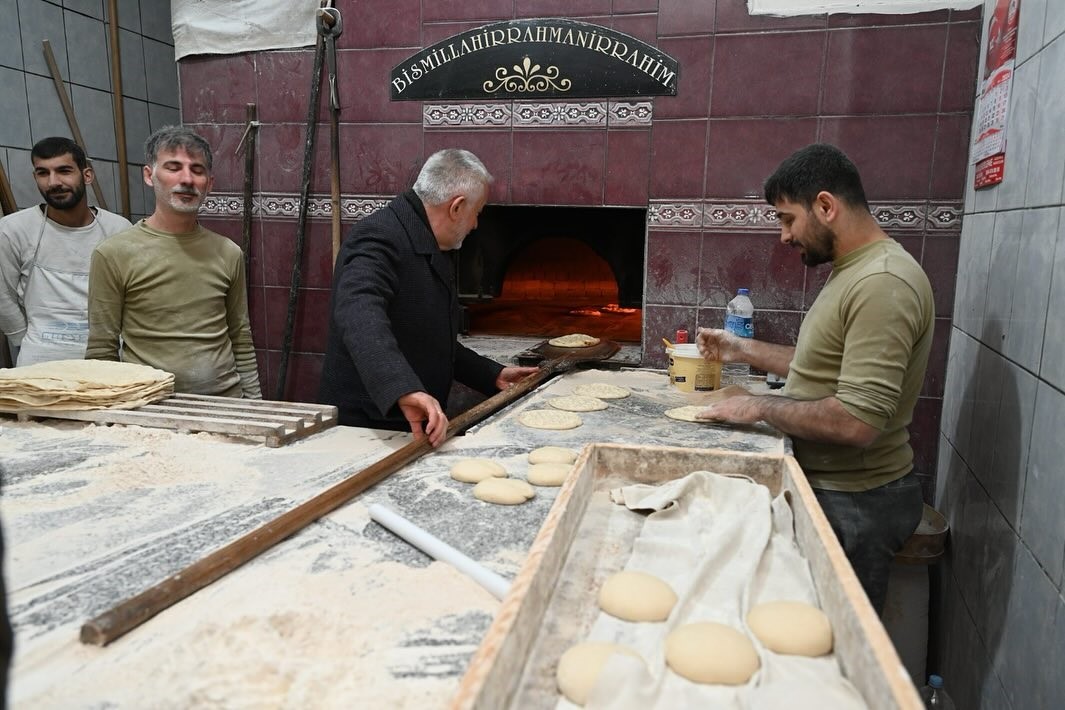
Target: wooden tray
(279, 422)
(508, 669)
(603, 350)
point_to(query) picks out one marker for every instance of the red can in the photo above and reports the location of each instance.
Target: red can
(681, 336)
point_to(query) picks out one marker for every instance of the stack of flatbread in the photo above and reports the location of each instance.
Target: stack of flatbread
(82, 384)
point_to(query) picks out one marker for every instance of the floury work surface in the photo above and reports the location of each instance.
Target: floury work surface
(342, 614)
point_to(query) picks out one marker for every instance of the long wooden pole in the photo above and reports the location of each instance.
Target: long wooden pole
(133, 612)
(68, 109)
(7, 197)
(119, 108)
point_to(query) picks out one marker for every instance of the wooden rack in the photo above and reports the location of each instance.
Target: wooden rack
(279, 422)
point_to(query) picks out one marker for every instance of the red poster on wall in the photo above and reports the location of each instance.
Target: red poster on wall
(992, 105)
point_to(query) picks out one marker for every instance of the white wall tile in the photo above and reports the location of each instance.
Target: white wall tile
(87, 51)
(10, 36)
(1012, 440)
(1046, 167)
(1024, 658)
(132, 60)
(1043, 513)
(15, 118)
(987, 392)
(1019, 124)
(41, 20)
(1054, 25)
(1052, 364)
(96, 116)
(20, 174)
(1030, 30)
(1031, 287)
(161, 71)
(46, 112)
(967, 542)
(974, 259)
(1001, 278)
(956, 417)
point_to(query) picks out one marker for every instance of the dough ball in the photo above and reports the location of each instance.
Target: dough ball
(706, 652)
(601, 390)
(503, 491)
(687, 414)
(549, 419)
(476, 470)
(637, 596)
(577, 403)
(580, 666)
(794, 628)
(552, 454)
(574, 340)
(549, 474)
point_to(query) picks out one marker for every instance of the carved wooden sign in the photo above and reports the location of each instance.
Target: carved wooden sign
(535, 59)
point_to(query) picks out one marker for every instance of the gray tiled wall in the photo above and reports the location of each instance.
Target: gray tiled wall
(78, 33)
(1001, 612)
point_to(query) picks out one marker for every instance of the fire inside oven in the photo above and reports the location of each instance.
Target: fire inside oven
(547, 271)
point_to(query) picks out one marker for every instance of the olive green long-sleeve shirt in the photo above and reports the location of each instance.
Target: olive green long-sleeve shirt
(176, 302)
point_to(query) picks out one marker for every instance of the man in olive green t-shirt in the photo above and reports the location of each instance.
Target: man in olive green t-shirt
(169, 293)
(855, 373)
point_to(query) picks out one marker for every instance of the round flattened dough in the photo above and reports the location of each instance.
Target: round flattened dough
(602, 390)
(637, 596)
(549, 474)
(574, 340)
(577, 403)
(794, 628)
(476, 470)
(580, 666)
(503, 491)
(687, 414)
(552, 454)
(706, 652)
(549, 419)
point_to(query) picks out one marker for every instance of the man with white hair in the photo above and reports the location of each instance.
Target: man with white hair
(393, 347)
(169, 293)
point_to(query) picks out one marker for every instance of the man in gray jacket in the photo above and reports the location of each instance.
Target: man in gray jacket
(44, 258)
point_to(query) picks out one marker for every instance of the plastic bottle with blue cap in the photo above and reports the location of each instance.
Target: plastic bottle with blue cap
(934, 696)
(739, 320)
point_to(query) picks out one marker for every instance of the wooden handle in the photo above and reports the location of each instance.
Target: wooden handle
(133, 612)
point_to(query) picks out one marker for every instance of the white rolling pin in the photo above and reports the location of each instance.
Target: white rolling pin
(438, 549)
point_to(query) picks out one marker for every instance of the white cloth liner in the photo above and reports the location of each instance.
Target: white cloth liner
(791, 8)
(233, 26)
(723, 545)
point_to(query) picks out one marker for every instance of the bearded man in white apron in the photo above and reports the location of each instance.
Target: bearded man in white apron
(44, 258)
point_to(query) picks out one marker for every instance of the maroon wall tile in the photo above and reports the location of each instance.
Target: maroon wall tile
(257, 316)
(924, 434)
(684, 17)
(673, 268)
(912, 243)
(492, 147)
(940, 262)
(312, 319)
(694, 54)
(227, 167)
(215, 89)
(663, 322)
(936, 374)
(951, 158)
(304, 377)
(749, 260)
(284, 85)
(467, 10)
(561, 8)
(871, 19)
(281, 152)
(893, 153)
(967, 15)
(363, 85)
(316, 268)
(376, 159)
(744, 152)
(732, 16)
(643, 27)
(884, 70)
(262, 365)
(381, 23)
(767, 74)
(433, 32)
(678, 158)
(558, 167)
(963, 59)
(628, 154)
(771, 326)
(628, 6)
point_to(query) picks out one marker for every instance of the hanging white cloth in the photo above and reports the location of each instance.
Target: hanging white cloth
(233, 26)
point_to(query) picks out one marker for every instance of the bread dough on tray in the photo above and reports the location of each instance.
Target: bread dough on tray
(574, 340)
(552, 454)
(549, 419)
(577, 403)
(476, 470)
(602, 390)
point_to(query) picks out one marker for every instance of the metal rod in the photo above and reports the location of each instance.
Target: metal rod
(119, 108)
(133, 612)
(252, 115)
(68, 109)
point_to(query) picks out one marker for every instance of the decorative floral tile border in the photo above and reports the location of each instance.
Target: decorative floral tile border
(756, 215)
(587, 114)
(729, 215)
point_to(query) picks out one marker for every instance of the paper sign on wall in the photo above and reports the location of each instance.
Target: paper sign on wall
(992, 105)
